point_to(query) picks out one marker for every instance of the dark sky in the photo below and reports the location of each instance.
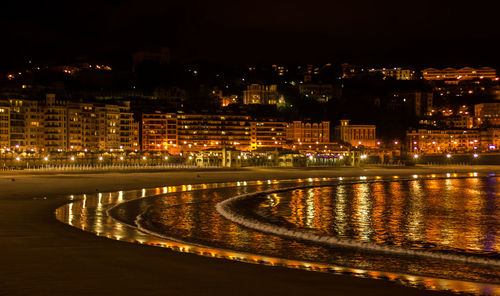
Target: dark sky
(420, 33)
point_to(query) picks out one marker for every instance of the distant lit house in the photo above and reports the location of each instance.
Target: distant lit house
(261, 94)
(228, 100)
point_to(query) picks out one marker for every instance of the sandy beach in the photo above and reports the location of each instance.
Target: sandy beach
(42, 256)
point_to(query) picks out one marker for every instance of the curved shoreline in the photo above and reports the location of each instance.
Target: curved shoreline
(227, 208)
(99, 266)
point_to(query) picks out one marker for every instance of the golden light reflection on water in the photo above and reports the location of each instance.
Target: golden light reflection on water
(448, 214)
(363, 210)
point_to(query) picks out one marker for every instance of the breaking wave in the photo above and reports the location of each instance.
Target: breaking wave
(229, 209)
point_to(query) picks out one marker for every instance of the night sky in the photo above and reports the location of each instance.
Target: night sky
(423, 33)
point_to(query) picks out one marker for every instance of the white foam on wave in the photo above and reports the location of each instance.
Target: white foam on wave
(227, 209)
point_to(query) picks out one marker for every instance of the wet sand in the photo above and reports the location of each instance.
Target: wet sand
(41, 256)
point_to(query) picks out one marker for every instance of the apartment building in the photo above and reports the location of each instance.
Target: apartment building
(429, 141)
(465, 73)
(4, 125)
(154, 131)
(356, 135)
(197, 130)
(308, 133)
(488, 113)
(128, 129)
(194, 132)
(267, 134)
(54, 125)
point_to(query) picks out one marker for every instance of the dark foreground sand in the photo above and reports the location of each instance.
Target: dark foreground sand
(41, 256)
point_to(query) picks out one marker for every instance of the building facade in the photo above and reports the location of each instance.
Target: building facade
(465, 73)
(4, 125)
(197, 132)
(54, 125)
(488, 113)
(308, 133)
(261, 94)
(356, 135)
(429, 141)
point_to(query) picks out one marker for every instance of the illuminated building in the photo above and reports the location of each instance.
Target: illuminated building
(89, 127)
(227, 100)
(128, 128)
(488, 113)
(267, 134)
(398, 73)
(280, 70)
(198, 130)
(155, 130)
(459, 121)
(351, 71)
(108, 126)
(261, 94)
(432, 141)
(356, 135)
(4, 125)
(56, 125)
(75, 128)
(54, 121)
(461, 87)
(194, 132)
(465, 73)
(24, 123)
(308, 133)
(309, 72)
